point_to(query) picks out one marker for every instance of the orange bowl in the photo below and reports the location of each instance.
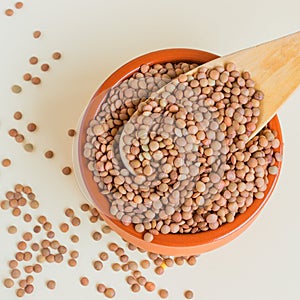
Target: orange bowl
(170, 244)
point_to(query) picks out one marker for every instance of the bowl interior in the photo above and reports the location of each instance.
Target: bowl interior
(199, 242)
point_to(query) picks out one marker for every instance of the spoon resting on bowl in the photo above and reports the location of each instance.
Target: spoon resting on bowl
(274, 66)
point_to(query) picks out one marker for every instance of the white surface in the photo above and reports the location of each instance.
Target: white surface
(95, 37)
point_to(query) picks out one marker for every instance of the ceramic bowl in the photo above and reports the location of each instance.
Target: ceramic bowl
(170, 244)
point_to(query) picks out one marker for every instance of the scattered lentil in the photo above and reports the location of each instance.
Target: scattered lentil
(51, 284)
(12, 229)
(36, 34)
(163, 293)
(49, 154)
(66, 170)
(31, 127)
(45, 67)
(56, 55)
(6, 162)
(188, 294)
(18, 115)
(84, 281)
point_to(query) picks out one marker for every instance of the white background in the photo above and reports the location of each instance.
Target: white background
(95, 37)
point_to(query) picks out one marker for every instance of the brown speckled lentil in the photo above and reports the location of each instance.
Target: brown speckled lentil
(19, 5)
(12, 229)
(19, 138)
(31, 127)
(56, 55)
(49, 154)
(71, 132)
(72, 262)
(97, 236)
(98, 265)
(9, 12)
(51, 284)
(15, 273)
(20, 292)
(150, 286)
(34, 204)
(16, 212)
(36, 80)
(36, 34)
(27, 76)
(37, 268)
(74, 238)
(188, 294)
(13, 264)
(16, 89)
(84, 281)
(45, 67)
(33, 60)
(163, 293)
(66, 170)
(27, 236)
(18, 115)
(116, 267)
(28, 147)
(8, 283)
(103, 256)
(6, 162)
(64, 227)
(135, 288)
(109, 292)
(101, 288)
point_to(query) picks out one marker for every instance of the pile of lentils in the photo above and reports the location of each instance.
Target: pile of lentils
(189, 165)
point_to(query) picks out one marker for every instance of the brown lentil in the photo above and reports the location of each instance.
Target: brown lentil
(74, 238)
(20, 292)
(75, 221)
(56, 55)
(33, 60)
(97, 236)
(27, 236)
(36, 34)
(72, 262)
(66, 170)
(101, 288)
(6, 162)
(103, 256)
(188, 294)
(36, 80)
(45, 67)
(116, 267)
(135, 288)
(8, 283)
(18, 115)
(71, 132)
(19, 138)
(51, 284)
(31, 127)
(49, 154)
(28, 147)
(19, 5)
(15, 273)
(64, 227)
(109, 292)
(9, 12)
(163, 293)
(16, 89)
(12, 229)
(84, 281)
(150, 286)
(27, 76)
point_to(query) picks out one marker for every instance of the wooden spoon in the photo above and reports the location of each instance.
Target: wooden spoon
(275, 68)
